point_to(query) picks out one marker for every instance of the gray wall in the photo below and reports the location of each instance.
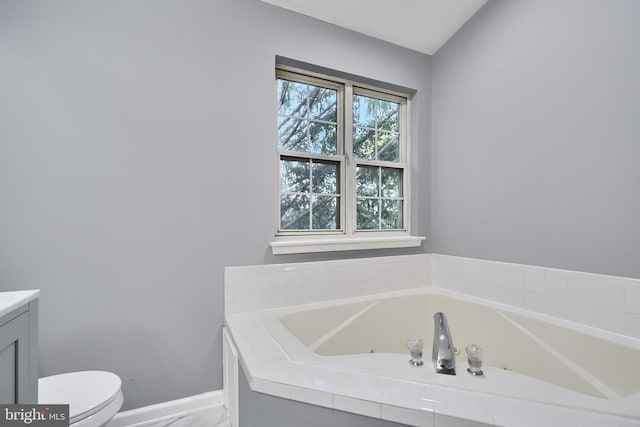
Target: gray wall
(536, 136)
(137, 160)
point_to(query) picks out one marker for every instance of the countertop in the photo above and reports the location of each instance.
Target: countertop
(9, 301)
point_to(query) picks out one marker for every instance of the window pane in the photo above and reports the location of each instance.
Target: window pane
(391, 215)
(364, 143)
(391, 182)
(292, 98)
(323, 138)
(292, 134)
(307, 118)
(323, 104)
(294, 212)
(387, 115)
(388, 148)
(367, 181)
(294, 176)
(364, 111)
(379, 120)
(309, 194)
(325, 178)
(325, 213)
(367, 212)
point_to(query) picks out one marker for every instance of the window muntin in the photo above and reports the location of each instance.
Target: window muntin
(309, 194)
(379, 201)
(376, 129)
(307, 117)
(330, 183)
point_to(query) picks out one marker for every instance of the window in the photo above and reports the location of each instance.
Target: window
(343, 162)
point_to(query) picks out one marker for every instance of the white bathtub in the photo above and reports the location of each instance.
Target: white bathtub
(352, 355)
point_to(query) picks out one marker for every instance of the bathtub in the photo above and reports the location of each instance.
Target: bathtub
(351, 355)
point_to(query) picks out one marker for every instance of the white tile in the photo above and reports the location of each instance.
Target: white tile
(394, 392)
(610, 297)
(372, 286)
(229, 308)
(271, 387)
(534, 302)
(354, 272)
(464, 405)
(270, 299)
(484, 270)
(580, 313)
(556, 307)
(317, 276)
(629, 283)
(580, 292)
(357, 406)
(354, 289)
(465, 272)
(514, 297)
(508, 277)
(632, 301)
(408, 282)
(410, 267)
(525, 414)
(555, 286)
(311, 396)
(318, 293)
(426, 397)
(324, 379)
(632, 325)
(276, 280)
(386, 270)
(243, 302)
(239, 284)
(489, 291)
(438, 270)
(466, 287)
(294, 278)
(367, 272)
(295, 296)
(340, 274)
(534, 282)
(358, 385)
(611, 320)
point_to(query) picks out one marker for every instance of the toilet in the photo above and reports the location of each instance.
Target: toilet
(94, 397)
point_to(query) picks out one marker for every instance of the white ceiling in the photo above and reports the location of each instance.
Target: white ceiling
(422, 25)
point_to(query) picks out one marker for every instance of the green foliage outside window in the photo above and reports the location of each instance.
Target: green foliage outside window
(310, 179)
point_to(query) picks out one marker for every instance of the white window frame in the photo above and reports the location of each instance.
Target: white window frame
(347, 237)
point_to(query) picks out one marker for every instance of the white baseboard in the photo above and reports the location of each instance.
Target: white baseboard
(166, 411)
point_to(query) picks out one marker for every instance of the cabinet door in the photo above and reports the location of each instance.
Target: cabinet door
(14, 358)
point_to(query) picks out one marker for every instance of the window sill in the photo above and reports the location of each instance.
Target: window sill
(297, 245)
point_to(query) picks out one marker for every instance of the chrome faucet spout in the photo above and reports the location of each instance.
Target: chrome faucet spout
(443, 356)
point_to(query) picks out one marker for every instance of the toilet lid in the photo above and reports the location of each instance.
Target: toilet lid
(85, 392)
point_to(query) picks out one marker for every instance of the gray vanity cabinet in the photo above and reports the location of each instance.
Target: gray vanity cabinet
(19, 355)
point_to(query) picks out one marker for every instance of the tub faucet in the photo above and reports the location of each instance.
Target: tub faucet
(444, 359)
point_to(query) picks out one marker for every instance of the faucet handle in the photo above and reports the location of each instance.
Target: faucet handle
(475, 354)
(415, 346)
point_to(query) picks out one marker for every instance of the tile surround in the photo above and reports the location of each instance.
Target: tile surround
(276, 285)
(605, 302)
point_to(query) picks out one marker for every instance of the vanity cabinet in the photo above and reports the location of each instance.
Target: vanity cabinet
(18, 350)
